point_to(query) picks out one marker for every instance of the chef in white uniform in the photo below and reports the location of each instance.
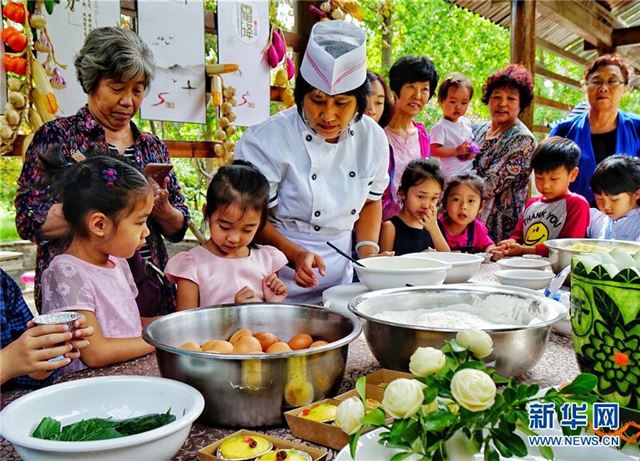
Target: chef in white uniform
(326, 165)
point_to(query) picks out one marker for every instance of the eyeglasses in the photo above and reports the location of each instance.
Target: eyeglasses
(597, 83)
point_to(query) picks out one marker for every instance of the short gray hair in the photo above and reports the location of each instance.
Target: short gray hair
(114, 53)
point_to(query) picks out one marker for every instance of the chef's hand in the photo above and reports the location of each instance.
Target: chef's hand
(382, 253)
(246, 295)
(274, 289)
(304, 264)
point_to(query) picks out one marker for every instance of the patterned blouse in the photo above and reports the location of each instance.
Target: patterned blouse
(504, 164)
(77, 134)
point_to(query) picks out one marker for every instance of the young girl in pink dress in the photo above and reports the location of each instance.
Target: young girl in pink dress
(229, 267)
(105, 203)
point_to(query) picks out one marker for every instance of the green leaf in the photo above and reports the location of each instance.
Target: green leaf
(502, 448)
(582, 384)
(546, 452)
(490, 453)
(512, 441)
(48, 429)
(475, 364)
(430, 393)
(401, 456)
(607, 308)
(353, 444)
(374, 418)
(439, 420)
(361, 387)
(144, 423)
(90, 429)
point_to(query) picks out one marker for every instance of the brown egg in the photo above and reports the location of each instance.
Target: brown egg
(300, 341)
(247, 345)
(239, 334)
(278, 347)
(318, 343)
(266, 339)
(191, 346)
(217, 346)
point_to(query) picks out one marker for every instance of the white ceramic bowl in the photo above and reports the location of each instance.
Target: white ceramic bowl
(109, 396)
(463, 265)
(524, 263)
(398, 271)
(525, 278)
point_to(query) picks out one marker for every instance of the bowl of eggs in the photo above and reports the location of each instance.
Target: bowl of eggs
(252, 362)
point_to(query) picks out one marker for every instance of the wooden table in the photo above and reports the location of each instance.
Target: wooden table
(558, 365)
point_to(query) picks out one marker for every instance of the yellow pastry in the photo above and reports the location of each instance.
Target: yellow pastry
(243, 447)
(289, 454)
(322, 413)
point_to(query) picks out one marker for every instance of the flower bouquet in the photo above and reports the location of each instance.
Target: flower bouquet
(452, 408)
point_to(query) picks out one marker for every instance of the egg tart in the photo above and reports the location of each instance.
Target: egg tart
(243, 447)
(323, 413)
(288, 454)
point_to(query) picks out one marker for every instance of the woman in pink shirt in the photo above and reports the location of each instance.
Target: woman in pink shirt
(413, 80)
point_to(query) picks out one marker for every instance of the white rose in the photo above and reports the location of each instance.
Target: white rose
(473, 389)
(349, 415)
(477, 341)
(426, 361)
(403, 398)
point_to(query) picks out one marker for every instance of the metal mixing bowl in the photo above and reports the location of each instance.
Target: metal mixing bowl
(516, 350)
(560, 255)
(255, 389)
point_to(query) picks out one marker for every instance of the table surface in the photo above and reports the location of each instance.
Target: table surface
(558, 365)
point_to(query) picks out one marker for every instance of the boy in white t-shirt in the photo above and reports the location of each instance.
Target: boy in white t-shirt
(451, 138)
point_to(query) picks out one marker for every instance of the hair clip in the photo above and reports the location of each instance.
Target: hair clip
(110, 175)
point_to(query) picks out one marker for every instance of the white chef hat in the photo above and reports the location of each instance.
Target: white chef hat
(335, 60)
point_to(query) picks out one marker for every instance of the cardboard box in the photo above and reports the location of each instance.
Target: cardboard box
(208, 453)
(383, 377)
(326, 434)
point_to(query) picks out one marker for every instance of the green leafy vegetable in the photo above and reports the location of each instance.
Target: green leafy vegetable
(100, 428)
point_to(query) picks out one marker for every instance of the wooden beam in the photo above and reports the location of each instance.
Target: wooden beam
(557, 77)
(551, 103)
(550, 47)
(523, 42)
(626, 36)
(574, 17)
(177, 149)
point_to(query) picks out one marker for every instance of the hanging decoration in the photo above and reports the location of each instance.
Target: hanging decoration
(337, 9)
(31, 100)
(275, 54)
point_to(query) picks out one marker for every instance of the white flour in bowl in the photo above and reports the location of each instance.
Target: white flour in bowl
(494, 311)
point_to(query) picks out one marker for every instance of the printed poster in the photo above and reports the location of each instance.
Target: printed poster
(174, 30)
(243, 31)
(68, 29)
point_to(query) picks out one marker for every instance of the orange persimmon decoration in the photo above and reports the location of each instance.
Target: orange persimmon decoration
(14, 11)
(15, 65)
(17, 42)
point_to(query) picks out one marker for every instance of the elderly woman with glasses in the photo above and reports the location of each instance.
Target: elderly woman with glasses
(604, 130)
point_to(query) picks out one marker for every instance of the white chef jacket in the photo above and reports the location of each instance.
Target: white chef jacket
(316, 188)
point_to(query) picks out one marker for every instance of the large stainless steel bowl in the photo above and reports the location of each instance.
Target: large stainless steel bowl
(253, 390)
(560, 254)
(516, 350)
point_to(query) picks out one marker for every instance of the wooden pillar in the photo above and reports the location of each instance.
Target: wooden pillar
(304, 21)
(523, 43)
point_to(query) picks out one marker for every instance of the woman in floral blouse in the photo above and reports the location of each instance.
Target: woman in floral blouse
(506, 145)
(114, 68)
